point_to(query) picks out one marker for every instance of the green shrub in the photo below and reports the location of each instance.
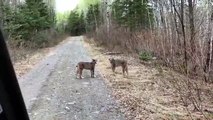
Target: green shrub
(25, 23)
(40, 39)
(46, 38)
(146, 56)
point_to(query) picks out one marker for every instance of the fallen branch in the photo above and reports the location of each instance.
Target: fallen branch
(112, 53)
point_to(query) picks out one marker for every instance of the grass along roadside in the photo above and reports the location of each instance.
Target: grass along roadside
(149, 92)
(24, 59)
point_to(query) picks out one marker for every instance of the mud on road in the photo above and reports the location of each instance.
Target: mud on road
(52, 92)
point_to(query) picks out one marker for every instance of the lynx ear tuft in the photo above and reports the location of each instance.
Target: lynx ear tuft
(94, 60)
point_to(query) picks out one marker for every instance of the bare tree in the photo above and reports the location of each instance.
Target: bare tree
(207, 67)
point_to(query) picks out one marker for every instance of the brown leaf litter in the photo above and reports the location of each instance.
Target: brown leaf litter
(148, 92)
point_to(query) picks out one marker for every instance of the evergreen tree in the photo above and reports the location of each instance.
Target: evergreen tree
(135, 14)
(93, 19)
(76, 24)
(27, 20)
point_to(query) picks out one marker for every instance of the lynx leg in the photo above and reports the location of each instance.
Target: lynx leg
(92, 73)
(123, 70)
(127, 73)
(77, 71)
(80, 73)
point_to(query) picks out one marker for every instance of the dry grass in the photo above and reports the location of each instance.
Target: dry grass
(24, 58)
(149, 92)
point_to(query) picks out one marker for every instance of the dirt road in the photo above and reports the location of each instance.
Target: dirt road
(52, 92)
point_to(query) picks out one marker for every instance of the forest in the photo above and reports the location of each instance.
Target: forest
(176, 34)
(179, 33)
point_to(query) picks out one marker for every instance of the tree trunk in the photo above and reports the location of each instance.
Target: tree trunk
(192, 36)
(184, 36)
(181, 18)
(209, 45)
(96, 23)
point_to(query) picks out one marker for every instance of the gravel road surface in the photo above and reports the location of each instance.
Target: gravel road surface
(52, 92)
